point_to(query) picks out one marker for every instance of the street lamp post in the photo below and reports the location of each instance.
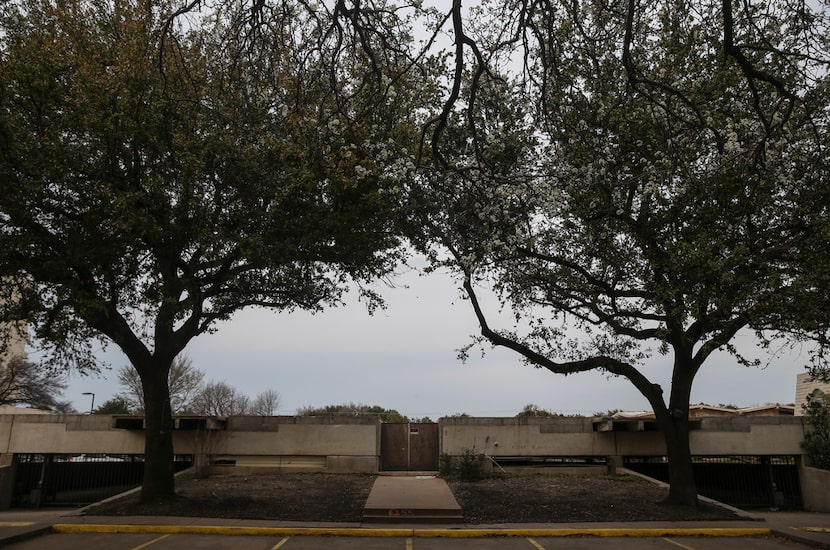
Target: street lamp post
(91, 405)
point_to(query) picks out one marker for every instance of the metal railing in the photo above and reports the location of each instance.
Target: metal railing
(741, 481)
(42, 480)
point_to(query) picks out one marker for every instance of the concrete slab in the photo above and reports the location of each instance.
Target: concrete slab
(418, 499)
(20, 525)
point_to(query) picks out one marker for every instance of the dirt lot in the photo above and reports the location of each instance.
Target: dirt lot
(571, 498)
(332, 497)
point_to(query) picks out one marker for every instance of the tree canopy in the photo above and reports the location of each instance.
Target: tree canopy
(23, 382)
(653, 173)
(355, 409)
(817, 438)
(184, 382)
(162, 167)
(115, 405)
(531, 410)
(190, 394)
(220, 399)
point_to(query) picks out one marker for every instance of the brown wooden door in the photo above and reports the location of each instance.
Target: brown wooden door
(394, 447)
(423, 447)
(408, 447)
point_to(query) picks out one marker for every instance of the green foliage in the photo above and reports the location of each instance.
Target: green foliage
(148, 172)
(161, 169)
(445, 466)
(469, 466)
(116, 405)
(817, 439)
(644, 179)
(355, 409)
(535, 410)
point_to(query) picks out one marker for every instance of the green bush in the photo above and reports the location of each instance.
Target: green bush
(445, 466)
(817, 440)
(467, 467)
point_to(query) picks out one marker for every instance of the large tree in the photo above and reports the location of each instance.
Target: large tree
(266, 403)
(655, 175)
(163, 166)
(220, 399)
(184, 382)
(23, 382)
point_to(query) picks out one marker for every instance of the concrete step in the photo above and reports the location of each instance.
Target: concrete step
(412, 516)
(419, 499)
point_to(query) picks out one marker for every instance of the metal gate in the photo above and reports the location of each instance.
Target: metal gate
(741, 481)
(409, 447)
(75, 480)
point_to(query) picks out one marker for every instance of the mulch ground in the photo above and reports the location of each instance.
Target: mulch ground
(340, 498)
(572, 498)
(285, 497)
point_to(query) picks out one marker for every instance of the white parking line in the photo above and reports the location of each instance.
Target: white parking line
(146, 544)
(678, 544)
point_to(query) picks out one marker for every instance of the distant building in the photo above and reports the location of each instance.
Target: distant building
(13, 340)
(15, 347)
(14, 336)
(773, 409)
(804, 386)
(702, 410)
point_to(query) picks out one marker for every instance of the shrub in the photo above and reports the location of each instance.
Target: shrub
(469, 466)
(817, 440)
(445, 466)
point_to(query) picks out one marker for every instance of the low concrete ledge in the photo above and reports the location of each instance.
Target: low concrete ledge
(412, 532)
(353, 464)
(336, 464)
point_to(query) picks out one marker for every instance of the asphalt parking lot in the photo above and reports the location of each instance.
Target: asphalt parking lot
(127, 541)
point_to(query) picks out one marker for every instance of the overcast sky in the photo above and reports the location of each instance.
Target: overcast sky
(405, 358)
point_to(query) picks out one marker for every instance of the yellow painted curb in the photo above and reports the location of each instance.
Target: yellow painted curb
(625, 532)
(420, 533)
(76, 528)
(814, 529)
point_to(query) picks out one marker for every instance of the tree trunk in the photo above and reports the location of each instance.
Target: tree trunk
(682, 486)
(159, 484)
(674, 423)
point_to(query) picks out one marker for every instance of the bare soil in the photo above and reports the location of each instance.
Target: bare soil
(572, 498)
(282, 497)
(340, 498)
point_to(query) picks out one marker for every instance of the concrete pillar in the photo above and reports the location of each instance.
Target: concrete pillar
(8, 472)
(613, 464)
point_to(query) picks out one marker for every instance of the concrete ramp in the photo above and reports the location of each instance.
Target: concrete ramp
(420, 499)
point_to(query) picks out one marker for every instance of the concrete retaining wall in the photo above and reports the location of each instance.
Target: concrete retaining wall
(345, 444)
(338, 444)
(241, 445)
(528, 437)
(70, 434)
(815, 489)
